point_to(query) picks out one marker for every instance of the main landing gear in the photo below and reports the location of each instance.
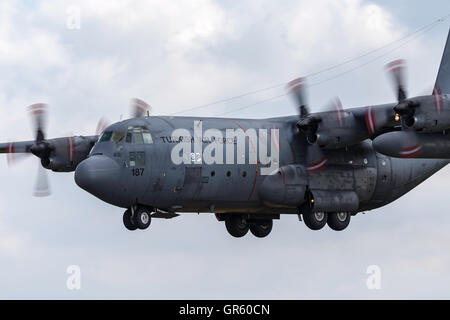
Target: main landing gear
(139, 218)
(238, 225)
(336, 220)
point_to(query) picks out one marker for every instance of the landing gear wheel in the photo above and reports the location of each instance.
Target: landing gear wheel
(236, 225)
(128, 221)
(262, 228)
(315, 220)
(142, 218)
(338, 221)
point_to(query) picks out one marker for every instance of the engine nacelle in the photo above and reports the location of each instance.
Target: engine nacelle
(66, 153)
(428, 113)
(334, 134)
(417, 122)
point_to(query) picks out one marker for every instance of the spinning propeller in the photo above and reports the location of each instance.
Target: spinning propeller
(139, 108)
(405, 107)
(40, 148)
(308, 125)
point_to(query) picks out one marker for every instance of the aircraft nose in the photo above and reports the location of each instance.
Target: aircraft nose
(98, 175)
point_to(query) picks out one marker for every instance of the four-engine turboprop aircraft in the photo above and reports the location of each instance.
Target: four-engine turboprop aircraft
(321, 166)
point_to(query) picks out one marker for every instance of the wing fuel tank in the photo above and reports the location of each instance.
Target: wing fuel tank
(408, 144)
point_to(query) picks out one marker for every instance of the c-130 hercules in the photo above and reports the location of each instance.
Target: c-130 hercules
(325, 167)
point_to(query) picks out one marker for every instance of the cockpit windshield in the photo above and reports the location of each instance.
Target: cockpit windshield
(106, 136)
(138, 135)
(115, 136)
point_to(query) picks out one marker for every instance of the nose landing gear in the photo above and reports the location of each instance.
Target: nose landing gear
(139, 219)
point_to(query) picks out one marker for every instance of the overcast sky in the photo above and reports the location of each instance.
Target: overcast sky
(180, 54)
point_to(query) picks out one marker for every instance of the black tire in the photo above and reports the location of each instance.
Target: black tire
(315, 220)
(128, 221)
(339, 221)
(236, 225)
(262, 228)
(142, 218)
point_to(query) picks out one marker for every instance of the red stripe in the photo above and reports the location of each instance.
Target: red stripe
(410, 148)
(395, 63)
(73, 149)
(297, 87)
(10, 155)
(411, 155)
(396, 69)
(282, 174)
(296, 81)
(441, 102)
(404, 153)
(320, 168)
(435, 100)
(316, 163)
(370, 123)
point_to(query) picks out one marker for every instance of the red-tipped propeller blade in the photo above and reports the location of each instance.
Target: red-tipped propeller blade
(297, 89)
(139, 108)
(308, 126)
(396, 71)
(38, 113)
(41, 188)
(339, 111)
(103, 123)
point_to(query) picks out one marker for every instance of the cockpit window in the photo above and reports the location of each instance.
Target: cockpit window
(106, 136)
(138, 135)
(118, 136)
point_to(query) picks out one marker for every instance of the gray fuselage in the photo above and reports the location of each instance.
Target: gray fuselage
(125, 172)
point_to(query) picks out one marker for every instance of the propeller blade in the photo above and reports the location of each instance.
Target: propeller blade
(139, 108)
(396, 71)
(308, 125)
(339, 111)
(42, 188)
(297, 89)
(15, 158)
(38, 113)
(103, 123)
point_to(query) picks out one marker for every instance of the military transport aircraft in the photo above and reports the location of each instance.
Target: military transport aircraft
(322, 166)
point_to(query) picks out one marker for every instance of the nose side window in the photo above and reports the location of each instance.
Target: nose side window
(137, 159)
(132, 159)
(140, 159)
